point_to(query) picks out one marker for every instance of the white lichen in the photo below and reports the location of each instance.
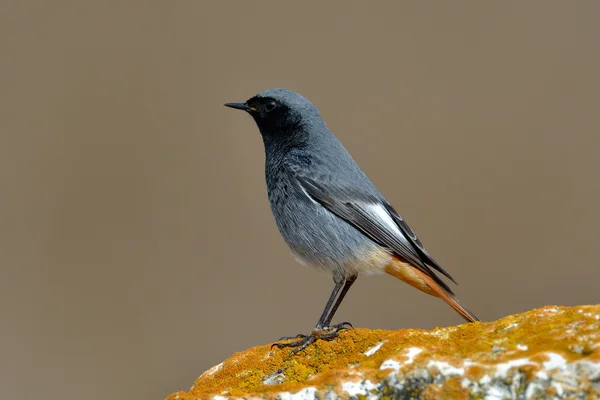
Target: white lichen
(213, 370)
(374, 349)
(503, 368)
(395, 365)
(305, 394)
(362, 388)
(445, 368)
(555, 361)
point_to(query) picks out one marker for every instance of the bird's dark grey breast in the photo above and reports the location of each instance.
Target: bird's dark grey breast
(314, 234)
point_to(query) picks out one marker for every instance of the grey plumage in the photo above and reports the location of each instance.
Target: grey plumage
(308, 149)
(326, 208)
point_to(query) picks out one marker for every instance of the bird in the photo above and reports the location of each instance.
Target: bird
(329, 212)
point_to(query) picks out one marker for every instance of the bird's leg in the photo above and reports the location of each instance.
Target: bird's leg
(323, 330)
(347, 284)
(336, 289)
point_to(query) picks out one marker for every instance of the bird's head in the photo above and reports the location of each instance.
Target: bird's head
(279, 111)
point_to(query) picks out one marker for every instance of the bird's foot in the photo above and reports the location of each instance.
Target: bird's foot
(325, 333)
(339, 327)
(298, 336)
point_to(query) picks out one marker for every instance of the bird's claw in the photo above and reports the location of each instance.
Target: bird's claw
(298, 336)
(339, 327)
(299, 345)
(325, 333)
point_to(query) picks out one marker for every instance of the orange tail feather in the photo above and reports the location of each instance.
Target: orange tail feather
(421, 281)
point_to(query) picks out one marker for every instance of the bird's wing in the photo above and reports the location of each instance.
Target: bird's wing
(377, 220)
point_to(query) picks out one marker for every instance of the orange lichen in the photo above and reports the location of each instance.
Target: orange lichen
(571, 332)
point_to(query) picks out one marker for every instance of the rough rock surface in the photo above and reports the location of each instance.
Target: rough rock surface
(551, 352)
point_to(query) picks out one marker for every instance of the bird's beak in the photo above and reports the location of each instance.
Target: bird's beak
(240, 106)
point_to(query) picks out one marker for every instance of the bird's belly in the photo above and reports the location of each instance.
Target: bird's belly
(367, 261)
(319, 238)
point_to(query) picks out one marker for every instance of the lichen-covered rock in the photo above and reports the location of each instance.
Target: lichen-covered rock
(551, 352)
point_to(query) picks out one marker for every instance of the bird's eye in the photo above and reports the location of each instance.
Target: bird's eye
(270, 106)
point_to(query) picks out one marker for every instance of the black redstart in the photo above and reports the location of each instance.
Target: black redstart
(329, 212)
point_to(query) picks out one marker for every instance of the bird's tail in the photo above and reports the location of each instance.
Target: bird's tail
(425, 283)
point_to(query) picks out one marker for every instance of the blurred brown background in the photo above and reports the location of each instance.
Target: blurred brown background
(137, 247)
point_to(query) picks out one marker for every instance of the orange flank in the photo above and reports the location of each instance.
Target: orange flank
(418, 279)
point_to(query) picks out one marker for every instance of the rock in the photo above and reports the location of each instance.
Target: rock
(551, 352)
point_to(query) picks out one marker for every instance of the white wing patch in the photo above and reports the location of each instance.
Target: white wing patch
(382, 215)
(308, 195)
